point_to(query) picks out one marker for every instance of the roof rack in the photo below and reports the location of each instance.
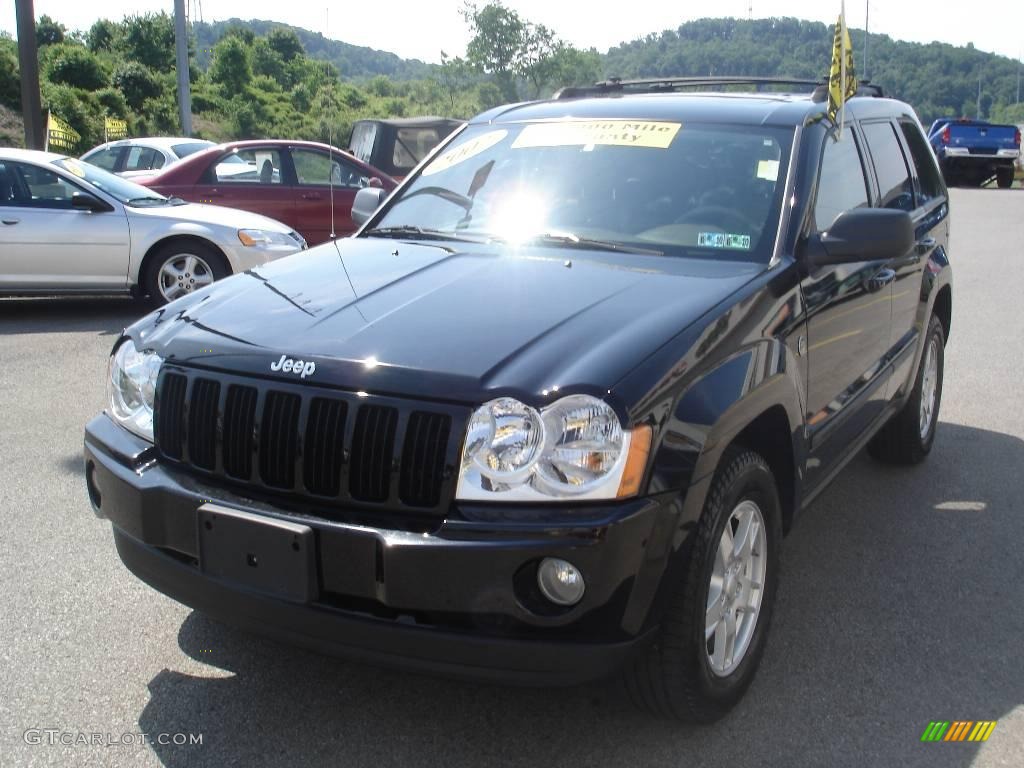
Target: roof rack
(616, 85)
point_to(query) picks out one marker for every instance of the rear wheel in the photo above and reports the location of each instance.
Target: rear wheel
(1004, 177)
(178, 269)
(715, 627)
(909, 435)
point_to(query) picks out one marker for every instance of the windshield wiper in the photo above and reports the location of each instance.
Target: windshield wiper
(410, 232)
(571, 240)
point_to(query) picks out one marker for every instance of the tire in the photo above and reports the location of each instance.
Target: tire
(194, 263)
(675, 678)
(905, 439)
(1004, 177)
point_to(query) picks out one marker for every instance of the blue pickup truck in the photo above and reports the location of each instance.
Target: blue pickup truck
(973, 151)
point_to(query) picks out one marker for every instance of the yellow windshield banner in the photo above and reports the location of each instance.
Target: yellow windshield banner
(60, 135)
(591, 133)
(114, 128)
(464, 151)
(842, 81)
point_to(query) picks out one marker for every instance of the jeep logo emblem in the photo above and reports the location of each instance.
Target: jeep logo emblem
(289, 365)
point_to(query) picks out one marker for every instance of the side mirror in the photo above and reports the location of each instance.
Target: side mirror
(863, 234)
(366, 203)
(89, 203)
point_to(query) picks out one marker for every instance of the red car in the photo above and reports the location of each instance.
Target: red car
(291, 181)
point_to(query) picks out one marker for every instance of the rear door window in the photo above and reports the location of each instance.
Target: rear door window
(412, 145)
(929, 182)
(249, 166)
(894, 184)
(363, 136)
(45, 188)
(314, 168)
(105, 158)
(841, 184)
(143, 159)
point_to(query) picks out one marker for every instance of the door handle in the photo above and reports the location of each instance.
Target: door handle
(925, 245)
(878, 281)
(10, 222)
(311, 196)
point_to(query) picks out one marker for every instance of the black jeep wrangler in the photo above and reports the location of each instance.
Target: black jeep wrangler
(550, 412)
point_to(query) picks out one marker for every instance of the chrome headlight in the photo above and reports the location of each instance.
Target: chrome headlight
(575, 448)
(264, 238)
(131, 388)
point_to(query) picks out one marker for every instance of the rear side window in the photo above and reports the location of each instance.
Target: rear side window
(894, 183)
(249, 166)
(45, 188)
(363, 136)
(412, 145)
(841, 185)
(924, 162)
(184, 150)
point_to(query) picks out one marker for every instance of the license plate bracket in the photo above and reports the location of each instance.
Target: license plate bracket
(263, 554)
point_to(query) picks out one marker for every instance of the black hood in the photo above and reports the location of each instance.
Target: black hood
(465, 325)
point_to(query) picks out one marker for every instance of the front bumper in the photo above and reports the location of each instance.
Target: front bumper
(450, 600)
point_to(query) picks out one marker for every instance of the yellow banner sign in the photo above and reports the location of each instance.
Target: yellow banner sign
(115, 129)
(589, 133)
(60, 135)
(464, 151)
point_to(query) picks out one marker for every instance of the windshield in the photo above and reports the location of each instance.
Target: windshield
(184, 150)
(679, 189)
(125, 191)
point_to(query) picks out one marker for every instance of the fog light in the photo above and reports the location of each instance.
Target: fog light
(560, 582)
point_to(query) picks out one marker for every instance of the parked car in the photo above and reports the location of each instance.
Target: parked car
(308, 186)
(397, 146)
(973, 151)
(69, 227)
(136, 158)
(550, 412)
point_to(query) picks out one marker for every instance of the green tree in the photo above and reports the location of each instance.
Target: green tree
(231, 67)
(101, 35)
(10, 82)
(497, 41)
(75, 65)
(49, 32)
(137, 84)
(267, 61)
(285, 42)
(149, 40)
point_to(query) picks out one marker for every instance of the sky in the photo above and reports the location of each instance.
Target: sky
(419, 29)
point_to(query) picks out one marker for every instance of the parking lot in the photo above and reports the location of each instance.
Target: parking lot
(901, 602)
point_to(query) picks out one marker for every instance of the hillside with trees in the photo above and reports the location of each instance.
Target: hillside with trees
(253, 79)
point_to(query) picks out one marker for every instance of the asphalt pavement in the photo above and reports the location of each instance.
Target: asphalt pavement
(901, 601)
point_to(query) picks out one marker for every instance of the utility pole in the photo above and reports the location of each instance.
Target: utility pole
(28, 62)
(867, 18)
(181, 47)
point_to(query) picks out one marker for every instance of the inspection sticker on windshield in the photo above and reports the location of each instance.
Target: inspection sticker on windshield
(464, 151)
(591, 133)
(723, 240)
(73, 166)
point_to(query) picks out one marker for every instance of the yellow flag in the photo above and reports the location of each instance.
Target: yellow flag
(114, 128)
(60, 135)
(842, 82)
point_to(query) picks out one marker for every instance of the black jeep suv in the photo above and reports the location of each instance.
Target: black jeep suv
(550, 412)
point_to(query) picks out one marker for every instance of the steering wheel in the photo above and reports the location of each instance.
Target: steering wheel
(724, 218)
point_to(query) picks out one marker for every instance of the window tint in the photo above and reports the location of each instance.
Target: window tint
(924, 162)
(249, 166)
(45, 188)
(143, 159)
(841, 185)
(184, 150)
(890, 167)
(314, 168)
(105, 158)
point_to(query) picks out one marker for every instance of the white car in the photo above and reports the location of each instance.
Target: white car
(133, 158)
(69, 227)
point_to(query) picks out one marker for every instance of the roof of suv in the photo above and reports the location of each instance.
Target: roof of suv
(735, 108)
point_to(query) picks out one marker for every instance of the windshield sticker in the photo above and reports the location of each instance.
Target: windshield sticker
(723, 240)
(464, 152)
(591, 133)
(73, 166)
(768, 170)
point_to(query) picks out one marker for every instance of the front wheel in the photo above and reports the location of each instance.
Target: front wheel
(909, 435)
(715, 627)
(178, 269)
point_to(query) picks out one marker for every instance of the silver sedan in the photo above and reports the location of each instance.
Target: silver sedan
(69, 227)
